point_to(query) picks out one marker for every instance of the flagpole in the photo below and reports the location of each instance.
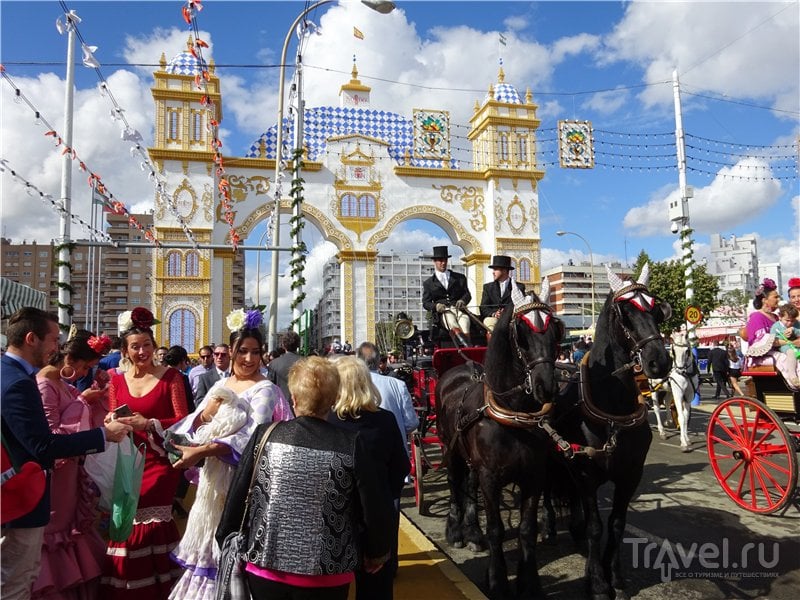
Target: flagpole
(88, 312)
(64, 253)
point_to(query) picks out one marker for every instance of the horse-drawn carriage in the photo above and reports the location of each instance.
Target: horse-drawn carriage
(500, 415)
(753, 442)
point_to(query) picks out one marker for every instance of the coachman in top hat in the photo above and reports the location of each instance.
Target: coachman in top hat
(446, 294)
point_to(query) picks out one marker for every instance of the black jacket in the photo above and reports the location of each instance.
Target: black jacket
(718, 357)
(317, 503)
(384, 443)
(491, 300)
(433, 292)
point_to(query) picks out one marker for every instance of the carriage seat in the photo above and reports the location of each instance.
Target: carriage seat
(761, 369)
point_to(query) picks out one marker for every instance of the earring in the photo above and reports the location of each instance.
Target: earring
(64, 370)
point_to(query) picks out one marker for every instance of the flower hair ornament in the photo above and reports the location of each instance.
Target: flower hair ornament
(240, 319)
(766, 286)
(139, 317)
(100, 344)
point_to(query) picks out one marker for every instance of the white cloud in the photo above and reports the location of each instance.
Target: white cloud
(96, 140)
(608, 102)
(727, 202)
(147, 50)
(516, 22)
(734, 48)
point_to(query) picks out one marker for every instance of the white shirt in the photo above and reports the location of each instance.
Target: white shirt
(442, 277)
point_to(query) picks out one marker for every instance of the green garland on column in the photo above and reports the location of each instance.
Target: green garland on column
(298, 261)
(69, 246)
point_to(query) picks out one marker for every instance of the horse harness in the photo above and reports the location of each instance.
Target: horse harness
(635, 362)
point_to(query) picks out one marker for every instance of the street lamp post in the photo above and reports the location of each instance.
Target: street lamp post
(381, 6)
(591, 263)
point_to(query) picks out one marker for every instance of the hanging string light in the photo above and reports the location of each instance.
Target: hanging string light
(94, 180)
(189, 12)
(57, 206)
(129, 133)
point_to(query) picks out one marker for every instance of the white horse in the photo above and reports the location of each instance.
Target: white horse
(684, 380)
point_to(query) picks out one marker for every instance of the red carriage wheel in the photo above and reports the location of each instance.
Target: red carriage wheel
(752, 454)
(419, 471)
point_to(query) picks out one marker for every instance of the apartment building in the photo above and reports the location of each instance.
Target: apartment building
(571, 288)
(734, 261)
(398, 288)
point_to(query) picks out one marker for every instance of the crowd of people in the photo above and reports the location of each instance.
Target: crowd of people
(323, 488)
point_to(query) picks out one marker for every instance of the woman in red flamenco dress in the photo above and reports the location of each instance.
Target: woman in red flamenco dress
(140, 567)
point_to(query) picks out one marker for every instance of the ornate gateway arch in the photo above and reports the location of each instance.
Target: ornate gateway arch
(366, 171)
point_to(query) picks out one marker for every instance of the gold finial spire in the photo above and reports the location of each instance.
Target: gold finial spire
(528, 96)
(190, 43)
(163, 61)
(212, 66)
(491, 91)
(501, 76)
(477, 106)
(354, 72)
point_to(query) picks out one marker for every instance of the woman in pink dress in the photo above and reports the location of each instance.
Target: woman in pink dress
(140, 567)
(72, 553)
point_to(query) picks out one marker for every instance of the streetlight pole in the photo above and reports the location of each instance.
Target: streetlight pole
(591, 263)
(381, 6)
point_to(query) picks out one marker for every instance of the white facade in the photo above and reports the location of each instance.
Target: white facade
(366, 171)
(734, 261)
(773, 271)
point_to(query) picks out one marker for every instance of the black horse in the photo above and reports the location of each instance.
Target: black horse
(604, 418)
(488, 420)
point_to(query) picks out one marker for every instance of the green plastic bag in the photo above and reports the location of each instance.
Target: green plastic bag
(127, 485)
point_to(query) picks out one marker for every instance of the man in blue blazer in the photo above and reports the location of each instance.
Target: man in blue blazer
(32, 336)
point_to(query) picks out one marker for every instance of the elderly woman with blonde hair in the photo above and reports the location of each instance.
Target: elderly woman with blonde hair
(317, 509)
(357, 408)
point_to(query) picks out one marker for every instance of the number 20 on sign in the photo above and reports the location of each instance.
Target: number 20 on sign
(693, 315)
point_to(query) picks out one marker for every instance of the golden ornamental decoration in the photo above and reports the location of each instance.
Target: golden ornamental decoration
(241, 186)
(469, 198)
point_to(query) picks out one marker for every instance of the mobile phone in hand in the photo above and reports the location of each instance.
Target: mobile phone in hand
(123, 411)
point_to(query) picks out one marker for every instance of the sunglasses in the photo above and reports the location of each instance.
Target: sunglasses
(205, 356)
(221, 354)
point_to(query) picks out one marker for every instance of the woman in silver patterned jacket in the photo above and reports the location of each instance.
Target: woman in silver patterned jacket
(317, 509)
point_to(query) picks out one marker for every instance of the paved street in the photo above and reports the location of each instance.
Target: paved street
(680, 508)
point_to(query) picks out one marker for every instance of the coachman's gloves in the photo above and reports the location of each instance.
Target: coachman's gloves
(461, 305)
(440, 308)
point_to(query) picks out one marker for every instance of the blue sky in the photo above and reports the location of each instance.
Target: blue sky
(608, 62)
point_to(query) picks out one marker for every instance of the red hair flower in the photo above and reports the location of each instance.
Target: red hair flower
(142, 318)
(100, 344)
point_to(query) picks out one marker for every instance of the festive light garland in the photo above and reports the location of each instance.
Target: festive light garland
(95, 181)
(129, 133)
(189, 12)
(57, 206)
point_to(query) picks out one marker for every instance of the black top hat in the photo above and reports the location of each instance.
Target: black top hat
(440, 252)
(501, 262)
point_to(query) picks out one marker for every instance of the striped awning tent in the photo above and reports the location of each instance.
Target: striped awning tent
(15, 296)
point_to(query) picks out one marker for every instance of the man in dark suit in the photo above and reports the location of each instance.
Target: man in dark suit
(279, 367)
(497, 294)
(446, 294)
(32, 340)
(718, 357)
(221, 369)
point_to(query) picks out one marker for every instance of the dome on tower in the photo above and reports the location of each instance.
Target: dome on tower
(186, 63)
(502, 91)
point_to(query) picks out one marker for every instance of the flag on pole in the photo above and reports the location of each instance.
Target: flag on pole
(502, 39)
(357, 33)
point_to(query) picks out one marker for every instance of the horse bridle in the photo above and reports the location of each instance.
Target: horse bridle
(513, 418)
(635, 352)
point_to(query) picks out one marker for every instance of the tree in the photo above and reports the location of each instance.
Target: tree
(640, 262)
(668, 282)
